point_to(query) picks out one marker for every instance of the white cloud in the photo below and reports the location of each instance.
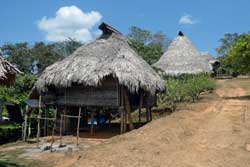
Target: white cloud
(187, 19)
(70, 21)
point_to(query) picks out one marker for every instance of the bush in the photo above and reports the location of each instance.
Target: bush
(184, 88)
(10, 133)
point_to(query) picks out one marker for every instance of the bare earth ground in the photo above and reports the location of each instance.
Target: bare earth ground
(214, 132)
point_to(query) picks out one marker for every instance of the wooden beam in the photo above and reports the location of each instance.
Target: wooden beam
(92, 125)
(78, 125)
(61, 123)
(128, 110)
(121, 118)
(38, 119)
(25, 123)
(147, 115)
(150, 113)
(140, 106)
(53, 131)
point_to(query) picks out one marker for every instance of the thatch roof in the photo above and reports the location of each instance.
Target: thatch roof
(209, 57)
(110, 54)
(182, 58)
(7, 72)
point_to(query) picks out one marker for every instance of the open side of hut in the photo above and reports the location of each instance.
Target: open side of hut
(182, 58)
(106, 73)
(213, 62)
(7, 72)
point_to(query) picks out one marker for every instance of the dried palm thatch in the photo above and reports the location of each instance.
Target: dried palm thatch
(209, 58)
(110, 54)
(182, 58)
(7, 72)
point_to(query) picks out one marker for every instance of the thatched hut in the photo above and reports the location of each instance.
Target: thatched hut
(7, 72)
(182, 58)
(212, 61)
(7, 77)
(105, 73)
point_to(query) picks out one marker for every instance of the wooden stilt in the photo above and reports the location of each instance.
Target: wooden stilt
(53, 131)
(147, 115)
(125, 117)
(29, 129)
(121, 119)
(61, 123)
(38, 124)
(45, 123)
(140, 106)
(78, 125)
(92, 125)
(128, 110)
(150, 113)
(64, 119)
(25, 123)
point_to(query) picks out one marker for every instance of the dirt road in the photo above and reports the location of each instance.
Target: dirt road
(211, 133)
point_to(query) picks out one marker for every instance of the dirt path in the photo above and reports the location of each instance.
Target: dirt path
(211, 133)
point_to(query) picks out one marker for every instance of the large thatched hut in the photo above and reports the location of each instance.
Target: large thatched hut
(7, 72)
(105, 73)
(182, 58)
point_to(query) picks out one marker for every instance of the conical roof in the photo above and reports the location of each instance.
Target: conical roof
(182, 58)
(110, 54)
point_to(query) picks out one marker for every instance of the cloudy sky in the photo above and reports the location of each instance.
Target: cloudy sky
(204, 22)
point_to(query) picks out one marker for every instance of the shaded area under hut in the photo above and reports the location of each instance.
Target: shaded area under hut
(182, 57)
(102, 80)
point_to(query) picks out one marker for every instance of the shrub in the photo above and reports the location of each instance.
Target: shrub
(183, 88)
(10, 133)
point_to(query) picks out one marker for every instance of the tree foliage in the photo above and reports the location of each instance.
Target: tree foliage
(234, 53)
(148, 45)
(20, 91)
(239, 55)
(34, 59)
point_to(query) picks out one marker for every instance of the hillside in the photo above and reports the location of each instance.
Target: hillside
(213, 132)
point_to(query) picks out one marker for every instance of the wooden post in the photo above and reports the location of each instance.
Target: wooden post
(29, 129)
(147, 115)
(128, 110)
(78, 125)
(38, 119)
(121, 119)
(92, 125)
(53, 130)
(44, 123)
(125, 120)
(150, 113)
(25, 123)
(61, 121)
(140, 106)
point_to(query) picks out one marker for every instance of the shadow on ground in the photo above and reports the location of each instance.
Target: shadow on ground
(9, 164)
(247, 97)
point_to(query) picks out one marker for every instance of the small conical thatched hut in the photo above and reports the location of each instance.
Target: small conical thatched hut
(7, 72)
(182, 58)
(104, 73)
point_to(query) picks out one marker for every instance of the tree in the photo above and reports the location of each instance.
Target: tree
(18, 54)
(139, 35)
(148, 45)
(226, 42)
(66, 47)
(239, 54)
(43, 56)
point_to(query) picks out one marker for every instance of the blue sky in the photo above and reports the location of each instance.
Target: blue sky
(203, 21)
